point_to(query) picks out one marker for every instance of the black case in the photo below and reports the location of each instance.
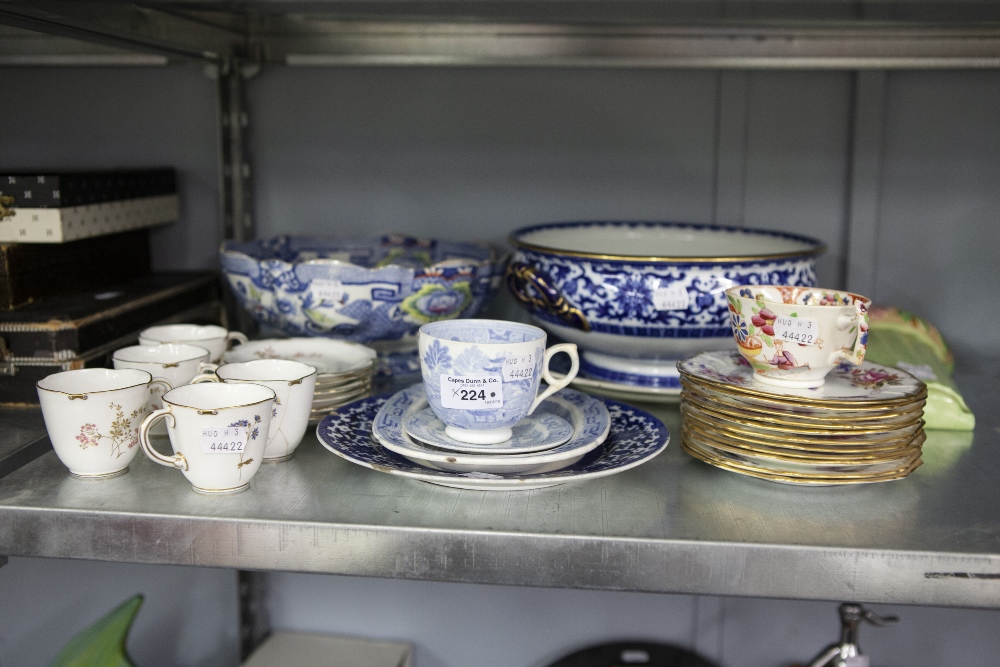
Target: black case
(57, 189)
(83, 330)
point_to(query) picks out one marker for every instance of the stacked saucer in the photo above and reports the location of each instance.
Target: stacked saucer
(863, 425)
(344, 369)
(596, 438)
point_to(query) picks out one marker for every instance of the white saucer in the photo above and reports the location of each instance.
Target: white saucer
(588, 416)
(627, 392)
(535, 433)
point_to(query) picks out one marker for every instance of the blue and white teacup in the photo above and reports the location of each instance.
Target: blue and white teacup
(482, 376)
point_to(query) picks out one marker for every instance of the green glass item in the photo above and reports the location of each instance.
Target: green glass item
(903, 340)
(103, 643)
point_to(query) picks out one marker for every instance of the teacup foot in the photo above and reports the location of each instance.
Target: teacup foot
(278, 459)
(492, 436)
(103, 475)
(221, 492)
(789, 383)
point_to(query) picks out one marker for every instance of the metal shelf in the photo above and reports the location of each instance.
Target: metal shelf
(587, 33)
(672, 525)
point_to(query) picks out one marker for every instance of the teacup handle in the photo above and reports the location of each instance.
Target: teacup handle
(155, 382)
(205, 377)
(205, 367)
(857, 353)
(557, 384)
(175, 461)
(237, 337)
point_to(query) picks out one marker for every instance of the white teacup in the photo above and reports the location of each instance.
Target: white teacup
(176, 364)
(212, 337)
(218, 432)
(794, 336)
(482, 376)
(292, 383)
(93, 416)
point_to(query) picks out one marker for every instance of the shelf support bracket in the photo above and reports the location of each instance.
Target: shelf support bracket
(235, 174)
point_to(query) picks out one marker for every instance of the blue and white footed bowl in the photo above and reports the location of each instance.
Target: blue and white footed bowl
(367, 290)
(637, 296)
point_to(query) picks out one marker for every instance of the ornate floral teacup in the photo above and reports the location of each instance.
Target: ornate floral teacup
(482, 376)
(794, 336)
(175, 364)
(93, 416)
(212, 337)
(292, 383)
(218, 433)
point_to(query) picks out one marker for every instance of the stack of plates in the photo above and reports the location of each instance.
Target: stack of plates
(863, 425)
(344, 370)
(570, 437)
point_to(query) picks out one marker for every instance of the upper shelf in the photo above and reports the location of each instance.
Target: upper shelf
(592, 33)
(671, 525)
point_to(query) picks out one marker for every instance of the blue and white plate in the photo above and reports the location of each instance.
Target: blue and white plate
(535, 433)
(588, 416)
(634, 438)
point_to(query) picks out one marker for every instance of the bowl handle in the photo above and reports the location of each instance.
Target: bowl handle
(542, 295)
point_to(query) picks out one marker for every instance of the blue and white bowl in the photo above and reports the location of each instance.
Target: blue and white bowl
(367, 290)
(637, 296)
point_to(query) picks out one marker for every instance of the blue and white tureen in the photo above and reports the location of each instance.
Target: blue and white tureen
(367, 290)
(637, 296)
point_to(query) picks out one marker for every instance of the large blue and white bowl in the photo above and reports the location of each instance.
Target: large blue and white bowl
(367, 291)
(637, 296)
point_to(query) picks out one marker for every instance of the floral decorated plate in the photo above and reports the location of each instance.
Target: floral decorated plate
(588, 416)
(635, 437)
(845, 385)
(824, 451)
(535, 433)
(761, 434)
(327, 356)
(751, 408)
(798, 479)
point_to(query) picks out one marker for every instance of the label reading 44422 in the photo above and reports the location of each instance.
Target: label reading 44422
(224, 440)
(801, 330)
(472, 393)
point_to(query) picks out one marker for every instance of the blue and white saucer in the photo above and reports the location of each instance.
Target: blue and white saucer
(588, 416)
(635, 437)
(537, 432)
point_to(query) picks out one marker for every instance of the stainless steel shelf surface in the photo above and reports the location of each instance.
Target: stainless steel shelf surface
(672, 525)
(560, 33)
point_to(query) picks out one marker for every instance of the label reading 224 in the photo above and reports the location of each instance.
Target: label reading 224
(472, 393)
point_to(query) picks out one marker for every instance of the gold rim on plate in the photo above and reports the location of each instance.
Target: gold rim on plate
(740, 404)
(830, 403)
(802, 481)
(779, 425)
(809, 456)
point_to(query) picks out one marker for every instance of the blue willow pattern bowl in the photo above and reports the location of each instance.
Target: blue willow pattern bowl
(379, 289)
(634, 295)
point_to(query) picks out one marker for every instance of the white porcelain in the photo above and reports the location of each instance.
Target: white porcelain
(627, 392)
(92, 416)
(823, 328)
(535, 433)
(175, 364)
(191, 411)
(292, 383)
(590, 426)
(212, 337)
(470, 363)
(327, 356)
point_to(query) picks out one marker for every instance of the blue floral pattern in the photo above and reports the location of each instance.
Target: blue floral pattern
(635, 437)
(385, 288)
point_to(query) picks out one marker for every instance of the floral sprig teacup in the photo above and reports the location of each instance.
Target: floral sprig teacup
(218, 433)
(794, 336)
(92, 416)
